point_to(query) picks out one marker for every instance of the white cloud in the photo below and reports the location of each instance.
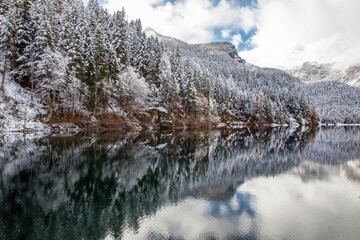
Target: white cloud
(292, 31)
(236, 40)
(192, 21)
(289, 32)
(225, 33)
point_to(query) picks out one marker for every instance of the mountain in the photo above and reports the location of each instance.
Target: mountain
(216, 48)
(334, 91)
(311, 72)
(282, 92)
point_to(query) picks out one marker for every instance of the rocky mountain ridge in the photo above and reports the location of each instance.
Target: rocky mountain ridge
(311, 72)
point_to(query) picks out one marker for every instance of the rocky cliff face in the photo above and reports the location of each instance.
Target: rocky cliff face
(311, 72)
(220, 47)
(215, 48)
(352, 76)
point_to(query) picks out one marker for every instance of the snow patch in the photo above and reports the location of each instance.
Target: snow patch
(159, 109)
(161, 146)
(237, 125)
(19, 110)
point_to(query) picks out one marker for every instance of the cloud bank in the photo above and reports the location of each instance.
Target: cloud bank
(288, 32)
(192, 21)
(292, 31)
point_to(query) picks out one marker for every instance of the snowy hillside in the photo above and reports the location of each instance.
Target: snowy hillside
(335, 102)
(282, 92)
(335, 92)
(18, 111)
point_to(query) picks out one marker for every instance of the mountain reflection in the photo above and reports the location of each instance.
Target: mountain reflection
(89, 186)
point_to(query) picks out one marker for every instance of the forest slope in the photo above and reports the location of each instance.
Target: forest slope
(334, 91)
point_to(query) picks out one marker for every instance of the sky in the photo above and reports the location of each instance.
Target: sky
(268, 33)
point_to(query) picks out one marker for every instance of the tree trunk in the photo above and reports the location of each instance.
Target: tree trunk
(53, 98)
(25, 119)
(49, 102)
(32, 81)
(73, 104)
(95, 99)
(3, 78)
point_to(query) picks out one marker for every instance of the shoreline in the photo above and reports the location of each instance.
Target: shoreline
(131, 126)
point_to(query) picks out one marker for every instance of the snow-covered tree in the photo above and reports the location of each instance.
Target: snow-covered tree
(119, 37)
(7, 44)
(22, 35)
(137, 46)
(165, 78)
(133, 91)
(54, 79)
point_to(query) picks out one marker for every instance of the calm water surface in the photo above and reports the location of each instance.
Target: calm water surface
(245, 184)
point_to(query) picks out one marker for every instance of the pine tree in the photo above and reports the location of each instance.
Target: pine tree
(165, 79)
(40, 43)
(119, 37)
(152, 55)
(7, 44)
(176, 80)
(98, 55)
(190, 99)
(22, 37)
(137, 46)
(75, 46)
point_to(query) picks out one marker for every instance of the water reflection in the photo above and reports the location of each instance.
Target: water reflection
(247, 184)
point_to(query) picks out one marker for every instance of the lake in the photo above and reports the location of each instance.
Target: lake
(268, 183)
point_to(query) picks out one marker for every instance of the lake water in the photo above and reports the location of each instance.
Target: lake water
(245, 184)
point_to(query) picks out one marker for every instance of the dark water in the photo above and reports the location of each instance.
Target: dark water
(245, 184)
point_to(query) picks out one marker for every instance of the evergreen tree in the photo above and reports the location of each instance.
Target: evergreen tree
(75, 46)
(23, 32)
(137, 46)
(40, 44)
(152, 56)
(120, 37)
(98, 55)
(7, 44)
(190, 98)
(165, 79)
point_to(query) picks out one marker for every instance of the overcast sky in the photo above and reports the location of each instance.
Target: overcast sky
(269, 33)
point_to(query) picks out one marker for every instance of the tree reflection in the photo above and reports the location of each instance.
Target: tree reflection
(83, 186)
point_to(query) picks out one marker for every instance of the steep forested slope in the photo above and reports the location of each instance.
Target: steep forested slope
(81, 62)
(248, 87)
(334, 92)
(335, 102)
